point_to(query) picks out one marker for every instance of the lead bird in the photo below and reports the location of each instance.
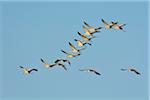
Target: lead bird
(131, 70)
(108, 26)
(47, 65)
(28, 71)
(91, 71)
(69, 55)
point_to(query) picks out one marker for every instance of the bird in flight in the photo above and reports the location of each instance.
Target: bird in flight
(47, 65)
(108, 26)
(85, 38)
(27, 71)
(81, 43)
(74, 49)
(69, 55)
(92, 29)
(52, 65)
(118, 27)
(90, 70)
(88, 32)
(131, 70)
(62, 61)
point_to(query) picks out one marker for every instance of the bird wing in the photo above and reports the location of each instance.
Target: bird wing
(52, 65)
(67, 61)
(122, 25)
(43, 61)
(135, 71)
(92, 70)
(62, 66)
(97, 73)
(21, 66)
(73, 47)
(57, 61)
(32, 70)
(86, 30)
(123, 69)
(83, 69)
(83, 36)
(104, 22)
(87, 24)
(65, 52)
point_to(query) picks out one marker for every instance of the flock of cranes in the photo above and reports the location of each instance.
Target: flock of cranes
(81, 45)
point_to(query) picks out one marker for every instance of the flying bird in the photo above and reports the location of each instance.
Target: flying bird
(88, 32)
(81, 43)
(28, 71)
(69, 55)
(75, 50)
(47, 65)
(108, 26)
(91, 29)
(52, 65)
(62, 61)
(118, 27)
(85, 37)
(131, 70)
(91, 71)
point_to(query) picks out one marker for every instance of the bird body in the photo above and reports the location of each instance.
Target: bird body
(132, 70)
(69, 55)
(108, 26)
(90, 70)
(27, 71)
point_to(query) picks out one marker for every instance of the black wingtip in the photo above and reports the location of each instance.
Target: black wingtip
(42, 60)
(75, 40)
(63, 51)
(102, 20)
(79, 33)
(70, 43)
(20, 66)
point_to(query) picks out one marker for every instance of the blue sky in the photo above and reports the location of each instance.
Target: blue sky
(33, 30)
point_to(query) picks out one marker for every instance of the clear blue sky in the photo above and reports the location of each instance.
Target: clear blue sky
(40, 30)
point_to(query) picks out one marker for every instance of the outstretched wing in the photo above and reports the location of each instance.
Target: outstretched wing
(21, 66)
(122, 25)
(43, 61)
(83, 69)
(97, 73)
(33, 70)
(87, 24)
(58, 60)
(86, 30)
(104, 22)
(124, 69)
(65, 52)
(62, 66)
(67, 61)
(73, 47)
(135, 71)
